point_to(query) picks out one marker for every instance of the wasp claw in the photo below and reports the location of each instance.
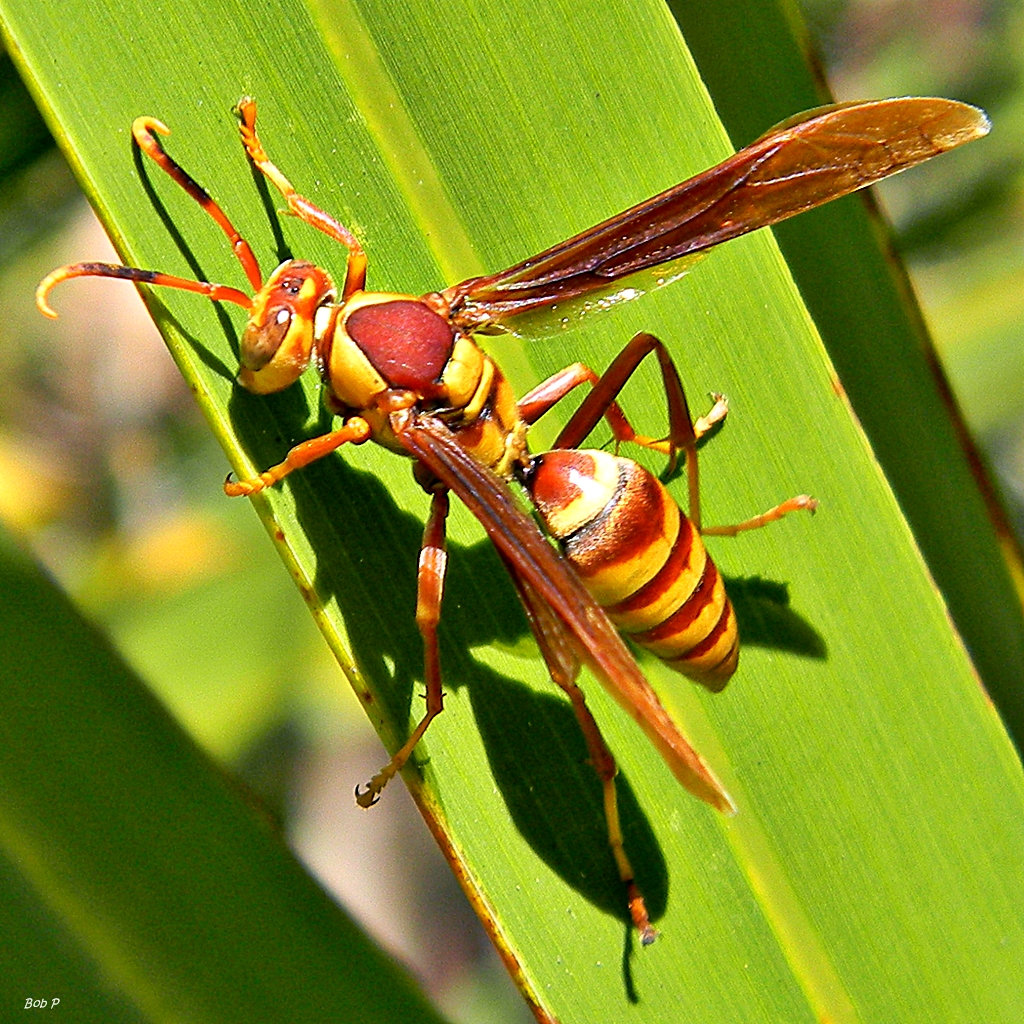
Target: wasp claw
(368, 797)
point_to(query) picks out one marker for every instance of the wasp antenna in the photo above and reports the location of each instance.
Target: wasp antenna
(216, 292)
(43, 292)
(54, 278)
(143, 128)
(142, 131)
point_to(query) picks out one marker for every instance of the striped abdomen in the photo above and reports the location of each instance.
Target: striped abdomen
(640, 557)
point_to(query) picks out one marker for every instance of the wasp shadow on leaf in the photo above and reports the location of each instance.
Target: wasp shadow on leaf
(765, 619)
(366, 546)
(532, 740)
(164, 318)
(272, 211)
(366, 550)
(539, 759)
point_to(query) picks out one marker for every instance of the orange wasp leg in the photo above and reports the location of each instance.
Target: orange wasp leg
(604, 764)
(429, 592)
(682, 435)
(563, 667)
(355, 430)
(613, 380)
(142, 130)
(550, 392)
(798, 504)
(300, 206)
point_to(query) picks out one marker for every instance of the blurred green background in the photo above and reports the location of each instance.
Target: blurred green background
(110, 474)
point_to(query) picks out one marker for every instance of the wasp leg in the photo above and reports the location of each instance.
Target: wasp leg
(703, 425)
(682, 435)
(801, 502)
(563, 666)
(604, 764)
(298, 205)
(356, 430)
(550, 392)
(429, 591)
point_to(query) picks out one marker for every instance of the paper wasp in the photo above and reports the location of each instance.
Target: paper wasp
(406, 372)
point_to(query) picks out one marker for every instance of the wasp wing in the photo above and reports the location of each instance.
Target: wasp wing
(556, 643)
(802, 163)
(521, 543)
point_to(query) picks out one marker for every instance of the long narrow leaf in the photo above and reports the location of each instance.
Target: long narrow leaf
(863, 755)
(158, 894)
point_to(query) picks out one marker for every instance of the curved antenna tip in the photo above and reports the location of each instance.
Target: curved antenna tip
(145, 126)
(43, 293)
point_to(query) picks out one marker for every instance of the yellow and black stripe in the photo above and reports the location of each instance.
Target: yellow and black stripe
(640, 557)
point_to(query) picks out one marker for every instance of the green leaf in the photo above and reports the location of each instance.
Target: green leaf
(158, 894)
(863, 755)
(864, 307)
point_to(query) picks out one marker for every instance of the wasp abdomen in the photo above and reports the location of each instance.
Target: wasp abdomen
(640, 557)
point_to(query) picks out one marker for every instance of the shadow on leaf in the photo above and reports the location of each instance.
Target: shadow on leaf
(532, 740)
(539, 760)
(765, 618)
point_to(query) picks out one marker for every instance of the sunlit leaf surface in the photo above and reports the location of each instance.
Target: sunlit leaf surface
(874, 869)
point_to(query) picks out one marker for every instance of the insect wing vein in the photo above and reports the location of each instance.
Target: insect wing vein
(793, 168)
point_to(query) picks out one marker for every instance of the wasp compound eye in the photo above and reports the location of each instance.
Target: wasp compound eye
(260, 342)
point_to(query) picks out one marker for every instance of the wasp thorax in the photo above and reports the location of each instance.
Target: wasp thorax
(382, 341)
(407, 343)
(277, 343)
